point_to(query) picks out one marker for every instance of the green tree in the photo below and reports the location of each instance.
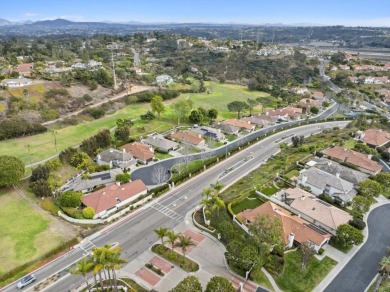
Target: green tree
(83, 268)
(41, 188)
(267, 230)
(161, 233)
(184, 243)
(347, 235)
(11, 170)
(80, 160)
(157, 105)
(251, 104)
(171, 238)
(70, 199)
(219, 284)
(196, 116)
(212, 114)
(307, 252)
(360, 205)
(121, 123)
(383, 178)
(122, 134)
(88, 213)
(181, 108)
(370, 188)
(202, 86)
(238, 107)
(314, 110)
(123, 178)
(189, 283)
(40, 172)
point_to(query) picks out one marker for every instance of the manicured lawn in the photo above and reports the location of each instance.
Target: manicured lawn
(294, 279)
(162, 156)
(248, 203)
(223, 94)
(259, 277)
(270, 190)
(25, 232)
(349, 144)
(292, 173)
(344, 249)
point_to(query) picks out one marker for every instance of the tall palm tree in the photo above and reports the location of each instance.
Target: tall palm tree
(384, 270)
(218, 203)
(100, 261)
(161, 233)
(207, 192)
(217, 187)
(171, 238)
(115, 263)
(83, 267)
(185, 242)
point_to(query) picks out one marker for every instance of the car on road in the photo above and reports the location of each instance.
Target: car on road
(26, 281)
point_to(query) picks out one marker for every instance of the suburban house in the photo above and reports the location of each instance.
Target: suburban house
(160, 143)
(107, 200)
(260, 120)
(188, 137)
(319, 96)
(314, 210)
(18, 82)
(96, 179)
(241, 124)
(295, 229)
(285, 113)
(164, 80)
(374, 137)
(141, 152)
(362, 161)
(115, 158)
(307, 103)
(321, 182)
(24, 69)
(227, 129)
(334, 168)
(209, 133)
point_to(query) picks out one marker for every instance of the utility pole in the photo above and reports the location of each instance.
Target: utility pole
(55, 139)
(257, 41)
(113, 68)
(28, 150)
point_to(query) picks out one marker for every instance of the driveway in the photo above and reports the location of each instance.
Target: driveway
(362, 268)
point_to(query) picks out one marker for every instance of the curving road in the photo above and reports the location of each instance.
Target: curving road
(135, 232)
(145, 173)
(362, 268)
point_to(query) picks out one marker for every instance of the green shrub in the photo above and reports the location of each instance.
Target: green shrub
(357, 223)
(88, 213)
(48, 205)
(73, 212)
(172, 256)
(321, 251)
(70, 199)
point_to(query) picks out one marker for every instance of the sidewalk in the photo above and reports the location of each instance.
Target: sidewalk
(208, 253)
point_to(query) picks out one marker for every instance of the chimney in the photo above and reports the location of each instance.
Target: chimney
(303, 197)
(98, 159)
(291, 237)
(124, 150)
(369, 156)
(117, 183)
(338, 175)
(329, 163)
(304, 179)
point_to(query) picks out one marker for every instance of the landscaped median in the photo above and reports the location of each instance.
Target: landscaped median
(175, 258)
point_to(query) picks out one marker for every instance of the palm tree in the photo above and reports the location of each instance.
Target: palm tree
(217, 187)
(83, 267)
(207, 192)
(384, 270)
(115, 263)
(185, 242)
(100, 261)
(218, 203)
(161, 233)
(172, 237)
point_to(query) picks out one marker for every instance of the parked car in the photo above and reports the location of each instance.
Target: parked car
(26, 281)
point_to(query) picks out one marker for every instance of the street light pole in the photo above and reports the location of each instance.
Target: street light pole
(55, 139)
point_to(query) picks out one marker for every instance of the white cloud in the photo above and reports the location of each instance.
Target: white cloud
(30, 14)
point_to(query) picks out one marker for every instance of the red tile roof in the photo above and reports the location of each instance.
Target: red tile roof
(139, 151)
(23, 68)
(188, 137)
(242, 124)
(110, 196)
(356, 158)
(376, 137)
(291, 223)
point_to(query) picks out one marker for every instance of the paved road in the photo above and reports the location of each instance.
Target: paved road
(135, 234)
(362, 268)
(145, 173)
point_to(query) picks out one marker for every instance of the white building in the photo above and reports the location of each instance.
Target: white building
(164, 79)
(19, 82)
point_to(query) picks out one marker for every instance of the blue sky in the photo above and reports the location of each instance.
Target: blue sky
(344, 12)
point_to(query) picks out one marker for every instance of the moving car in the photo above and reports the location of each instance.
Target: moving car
(26, 281)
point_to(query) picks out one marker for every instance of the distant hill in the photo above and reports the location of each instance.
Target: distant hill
(5, 22)
(53, 23)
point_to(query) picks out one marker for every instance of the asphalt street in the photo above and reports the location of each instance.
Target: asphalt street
(362, 268)
(135, 235)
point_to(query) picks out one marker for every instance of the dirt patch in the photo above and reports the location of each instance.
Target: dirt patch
(98, 94)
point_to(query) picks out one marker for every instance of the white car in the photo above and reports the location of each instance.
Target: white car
(26, 281)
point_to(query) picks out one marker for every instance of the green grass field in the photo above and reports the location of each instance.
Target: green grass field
(295, 279)
(251, 202)
(25, 232)
(42, 146)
